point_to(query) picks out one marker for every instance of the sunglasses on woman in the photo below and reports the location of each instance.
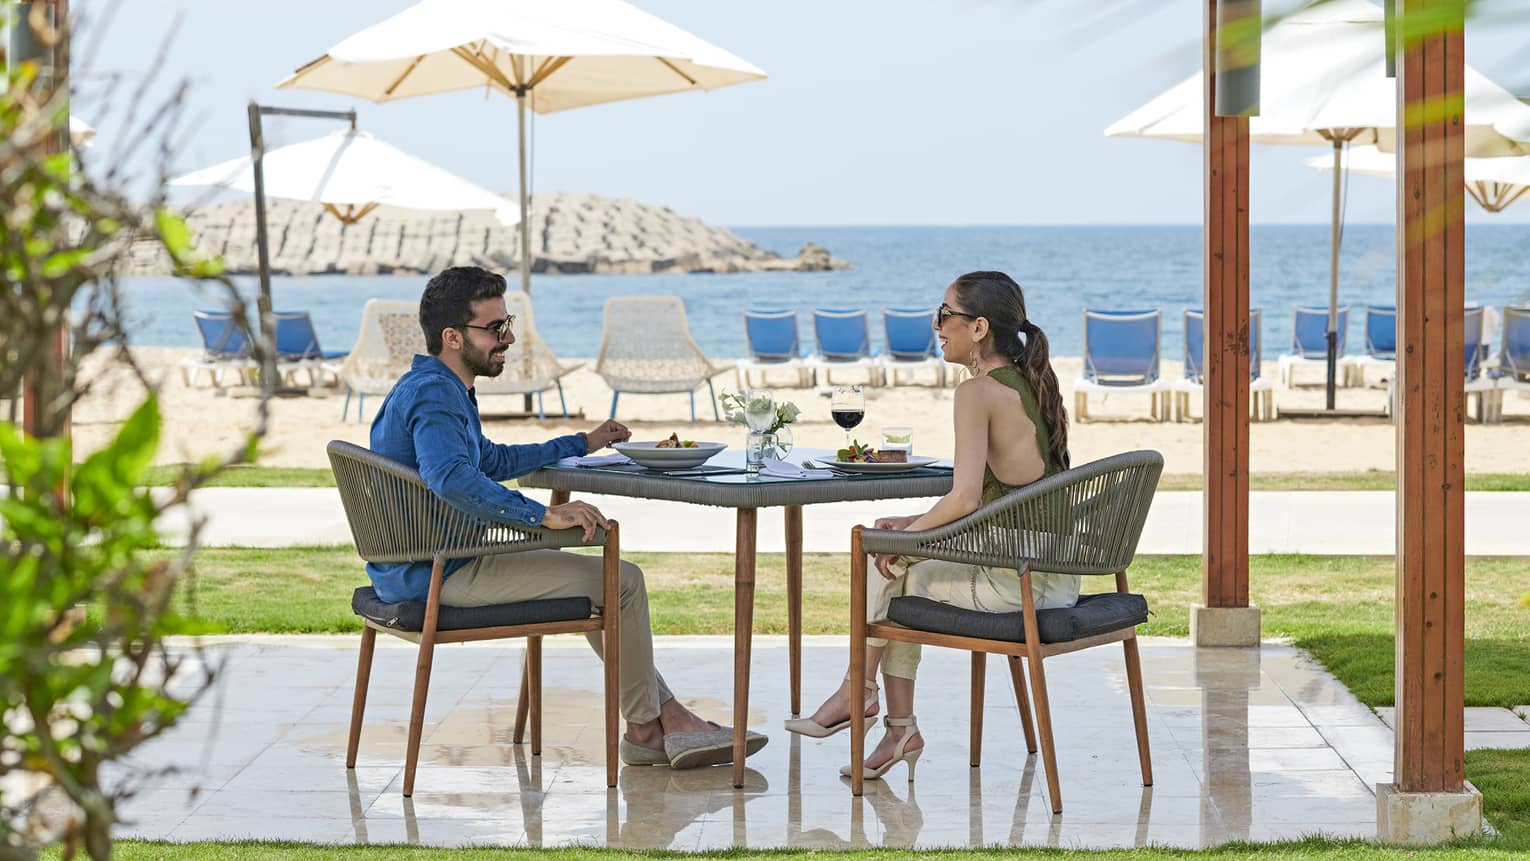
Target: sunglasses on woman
(500, 328)
(947, 311)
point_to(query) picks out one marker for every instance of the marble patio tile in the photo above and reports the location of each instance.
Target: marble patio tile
(444, 833)
(244, 826)
(1479, 719)
(1481, 740)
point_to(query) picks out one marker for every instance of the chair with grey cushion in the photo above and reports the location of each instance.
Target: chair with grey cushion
(394, 517)
(1083, 521)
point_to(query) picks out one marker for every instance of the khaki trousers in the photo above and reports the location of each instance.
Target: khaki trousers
(535, 574)
(991, 590)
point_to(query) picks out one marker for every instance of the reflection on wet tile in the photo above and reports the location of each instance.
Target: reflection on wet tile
(1246, 744)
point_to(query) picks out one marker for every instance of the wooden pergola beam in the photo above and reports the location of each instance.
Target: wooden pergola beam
(1431, 270)
(1429, 800)
(1225, 617)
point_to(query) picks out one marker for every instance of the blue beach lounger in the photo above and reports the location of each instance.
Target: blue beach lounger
(1121, 354)
(1309, 342)
(1380, 346)
(1478, 384)
(844, 341)
(771, 334)
(1261, 388)
(911, 344)
(1513, 370)
(224, 349)
(297, 348)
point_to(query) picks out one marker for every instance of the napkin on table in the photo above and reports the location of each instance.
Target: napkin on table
(781, 469)
(595, 460)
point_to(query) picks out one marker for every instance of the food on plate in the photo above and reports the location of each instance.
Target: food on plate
(675, 441)
(859, 453)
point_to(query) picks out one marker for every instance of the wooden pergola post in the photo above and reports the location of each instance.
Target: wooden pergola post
(1225, 618)
(1429, 800)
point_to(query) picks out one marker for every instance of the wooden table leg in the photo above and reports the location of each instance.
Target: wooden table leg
(559, 497)
(794, 601)
(743, 629)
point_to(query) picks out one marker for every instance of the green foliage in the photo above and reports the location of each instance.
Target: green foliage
(77, 695)
(79, 690)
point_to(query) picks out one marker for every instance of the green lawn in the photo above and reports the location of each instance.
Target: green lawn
(1337, 607)
(282, 476)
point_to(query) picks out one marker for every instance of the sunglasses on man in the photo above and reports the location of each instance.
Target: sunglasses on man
(947, 311)
(500, 328)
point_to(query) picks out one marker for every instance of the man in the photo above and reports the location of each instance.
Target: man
(429, 421)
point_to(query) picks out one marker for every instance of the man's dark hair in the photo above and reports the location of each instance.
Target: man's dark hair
(449, 297)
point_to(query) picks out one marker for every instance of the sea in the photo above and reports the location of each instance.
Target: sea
(1063, 270)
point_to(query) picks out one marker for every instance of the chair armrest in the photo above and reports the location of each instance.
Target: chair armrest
(1083, 521)
(395, 517)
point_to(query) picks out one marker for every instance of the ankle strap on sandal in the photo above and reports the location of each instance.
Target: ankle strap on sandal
(870, 685)
(891, 721)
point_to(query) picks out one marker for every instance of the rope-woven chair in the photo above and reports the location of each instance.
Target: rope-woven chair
(530, 366)
(394, 517)
(1083, 521)
(647, 349)
(390, 339)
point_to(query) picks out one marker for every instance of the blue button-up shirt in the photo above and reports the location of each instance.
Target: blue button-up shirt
(430, 422)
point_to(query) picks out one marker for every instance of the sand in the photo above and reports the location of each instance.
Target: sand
(202, 421)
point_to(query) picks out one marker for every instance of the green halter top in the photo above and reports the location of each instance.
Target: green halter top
(1010, 376)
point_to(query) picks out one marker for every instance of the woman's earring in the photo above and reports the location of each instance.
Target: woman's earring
(972, 360)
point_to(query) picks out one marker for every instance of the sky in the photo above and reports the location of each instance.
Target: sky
(875, 112)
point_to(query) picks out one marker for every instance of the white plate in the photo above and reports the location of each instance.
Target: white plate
(914, 462)
(649, 455)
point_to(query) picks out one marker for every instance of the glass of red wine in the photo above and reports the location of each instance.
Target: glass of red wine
(848, 406)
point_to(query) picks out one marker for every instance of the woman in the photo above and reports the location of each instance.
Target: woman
(1011, 429)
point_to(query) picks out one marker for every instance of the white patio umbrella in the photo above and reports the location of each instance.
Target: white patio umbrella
(80, 132)
(354, 170)
(1494, 183)
(1323, 82)
(549, 55)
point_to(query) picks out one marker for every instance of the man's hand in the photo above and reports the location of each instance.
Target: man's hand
(572, 514)
(608, 432)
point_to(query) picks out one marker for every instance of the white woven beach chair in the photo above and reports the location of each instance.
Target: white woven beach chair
(390, 338)
(647, 349)
(530, 366)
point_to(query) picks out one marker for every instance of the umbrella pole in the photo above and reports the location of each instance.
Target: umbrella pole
(520, 110)
(263, 249)
(1333, 270)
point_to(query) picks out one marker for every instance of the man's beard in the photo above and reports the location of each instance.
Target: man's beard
(478, 361)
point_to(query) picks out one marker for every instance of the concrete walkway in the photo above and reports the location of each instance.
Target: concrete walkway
(1334, 522)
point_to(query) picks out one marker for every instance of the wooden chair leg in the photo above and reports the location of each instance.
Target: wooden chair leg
(1017, 675)
(794, 603)
(359, 699)
(979, 676)
(1039, 689)
(523, 702)
(1044, 727)
(611, 591)
(1139, 707)
(417, 710)
(857, 659)
(534, 674)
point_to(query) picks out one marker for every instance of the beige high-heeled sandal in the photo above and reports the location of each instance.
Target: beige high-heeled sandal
(900, 753)
(812, 729)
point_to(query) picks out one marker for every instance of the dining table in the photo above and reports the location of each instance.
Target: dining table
(724, 481)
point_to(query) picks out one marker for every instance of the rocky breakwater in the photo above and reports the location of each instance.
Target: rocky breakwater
(571, 233)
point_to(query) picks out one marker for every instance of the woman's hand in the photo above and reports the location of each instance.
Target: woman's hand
(884, 563)
(894, 522)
